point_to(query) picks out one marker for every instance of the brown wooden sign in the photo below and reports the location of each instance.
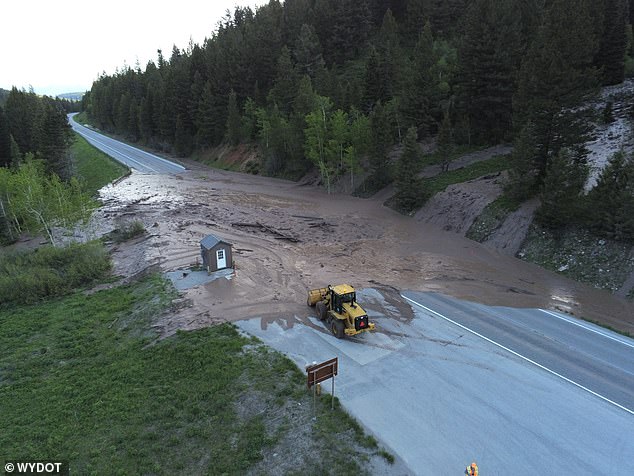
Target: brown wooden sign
(320, 372)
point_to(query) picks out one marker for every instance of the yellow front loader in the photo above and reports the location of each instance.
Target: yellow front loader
(337, 307)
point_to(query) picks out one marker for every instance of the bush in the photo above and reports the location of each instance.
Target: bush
(27, 277)
(127, 231)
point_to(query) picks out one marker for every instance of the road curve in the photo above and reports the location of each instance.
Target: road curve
(132, 157)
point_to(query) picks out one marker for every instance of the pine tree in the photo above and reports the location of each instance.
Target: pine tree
(405, 183)
(286, 81)
(54, 138)
(123, 114)
(183, 141)
(207, 123)
(23, 110)
(375, 82)
(557, 75)
(611, 201)
(382, 140)
(145, 118)
(5, 140)
(445, 15)
(416, 19)
(390, 56)
(523, 172)
(445, 142)
(233, 120)
(133, 122)
(307, 52)
(489, 56)
(349, 32)
(611, 55)
(419, 92)
(561, 205)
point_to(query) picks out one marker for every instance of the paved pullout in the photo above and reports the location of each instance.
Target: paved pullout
(134, 158)
(514, 389)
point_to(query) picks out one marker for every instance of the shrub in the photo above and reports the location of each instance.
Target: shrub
(27, 277)
(127, 231)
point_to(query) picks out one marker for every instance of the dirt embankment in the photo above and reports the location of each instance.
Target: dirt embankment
(336, 238)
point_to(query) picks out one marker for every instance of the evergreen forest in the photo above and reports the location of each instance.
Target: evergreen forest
(336, 85)
(38, 187)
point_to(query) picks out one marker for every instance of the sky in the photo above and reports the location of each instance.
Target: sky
(62, 46)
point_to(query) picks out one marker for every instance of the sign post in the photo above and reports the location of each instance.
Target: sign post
(317, 373)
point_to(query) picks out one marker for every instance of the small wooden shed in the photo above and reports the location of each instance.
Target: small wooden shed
(216, 253)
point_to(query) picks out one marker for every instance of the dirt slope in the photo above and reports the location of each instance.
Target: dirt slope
(339, 239)
(460, 204)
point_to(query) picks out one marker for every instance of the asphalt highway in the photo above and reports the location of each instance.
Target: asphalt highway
(136, 159)
(585, 355)
(520, 391)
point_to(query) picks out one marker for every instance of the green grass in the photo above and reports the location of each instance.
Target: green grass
(30, 276)
(428, 187)
(440, 182)
(94, 168)
(101, 398)
(456, 152)
(376, 182)
(83, 379)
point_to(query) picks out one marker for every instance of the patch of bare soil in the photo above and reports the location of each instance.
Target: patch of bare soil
(509, 237)
(460, 204)
(335, 238)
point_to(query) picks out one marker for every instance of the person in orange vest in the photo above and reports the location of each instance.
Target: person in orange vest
(472, 470)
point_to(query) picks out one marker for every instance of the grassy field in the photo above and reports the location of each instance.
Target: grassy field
(83, 379)
(94, 168)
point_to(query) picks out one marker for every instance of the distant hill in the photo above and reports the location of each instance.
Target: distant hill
(71, 96)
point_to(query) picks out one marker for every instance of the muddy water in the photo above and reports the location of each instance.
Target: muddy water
(338, 239)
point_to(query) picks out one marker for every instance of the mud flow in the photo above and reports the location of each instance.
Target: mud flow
(289, 237)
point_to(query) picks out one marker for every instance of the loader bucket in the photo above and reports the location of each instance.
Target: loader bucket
(316, 295)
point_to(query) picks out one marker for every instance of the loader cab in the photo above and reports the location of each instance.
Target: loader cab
(344, 293)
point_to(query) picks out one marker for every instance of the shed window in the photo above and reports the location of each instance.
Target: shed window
(221, 254)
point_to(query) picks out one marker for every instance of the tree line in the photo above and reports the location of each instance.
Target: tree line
(37, 187)
(335, 84)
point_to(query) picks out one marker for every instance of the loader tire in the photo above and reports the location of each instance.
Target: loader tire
(337, 327)
(321, 310)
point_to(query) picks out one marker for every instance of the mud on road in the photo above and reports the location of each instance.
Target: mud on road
(289, 237)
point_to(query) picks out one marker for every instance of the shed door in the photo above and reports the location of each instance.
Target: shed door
(221, 259)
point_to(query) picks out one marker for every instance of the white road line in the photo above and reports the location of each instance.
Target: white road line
(521, 356)
(89, 138)
(596, 331)
(155, 157)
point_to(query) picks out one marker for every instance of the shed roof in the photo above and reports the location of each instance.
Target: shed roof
(210, 241)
